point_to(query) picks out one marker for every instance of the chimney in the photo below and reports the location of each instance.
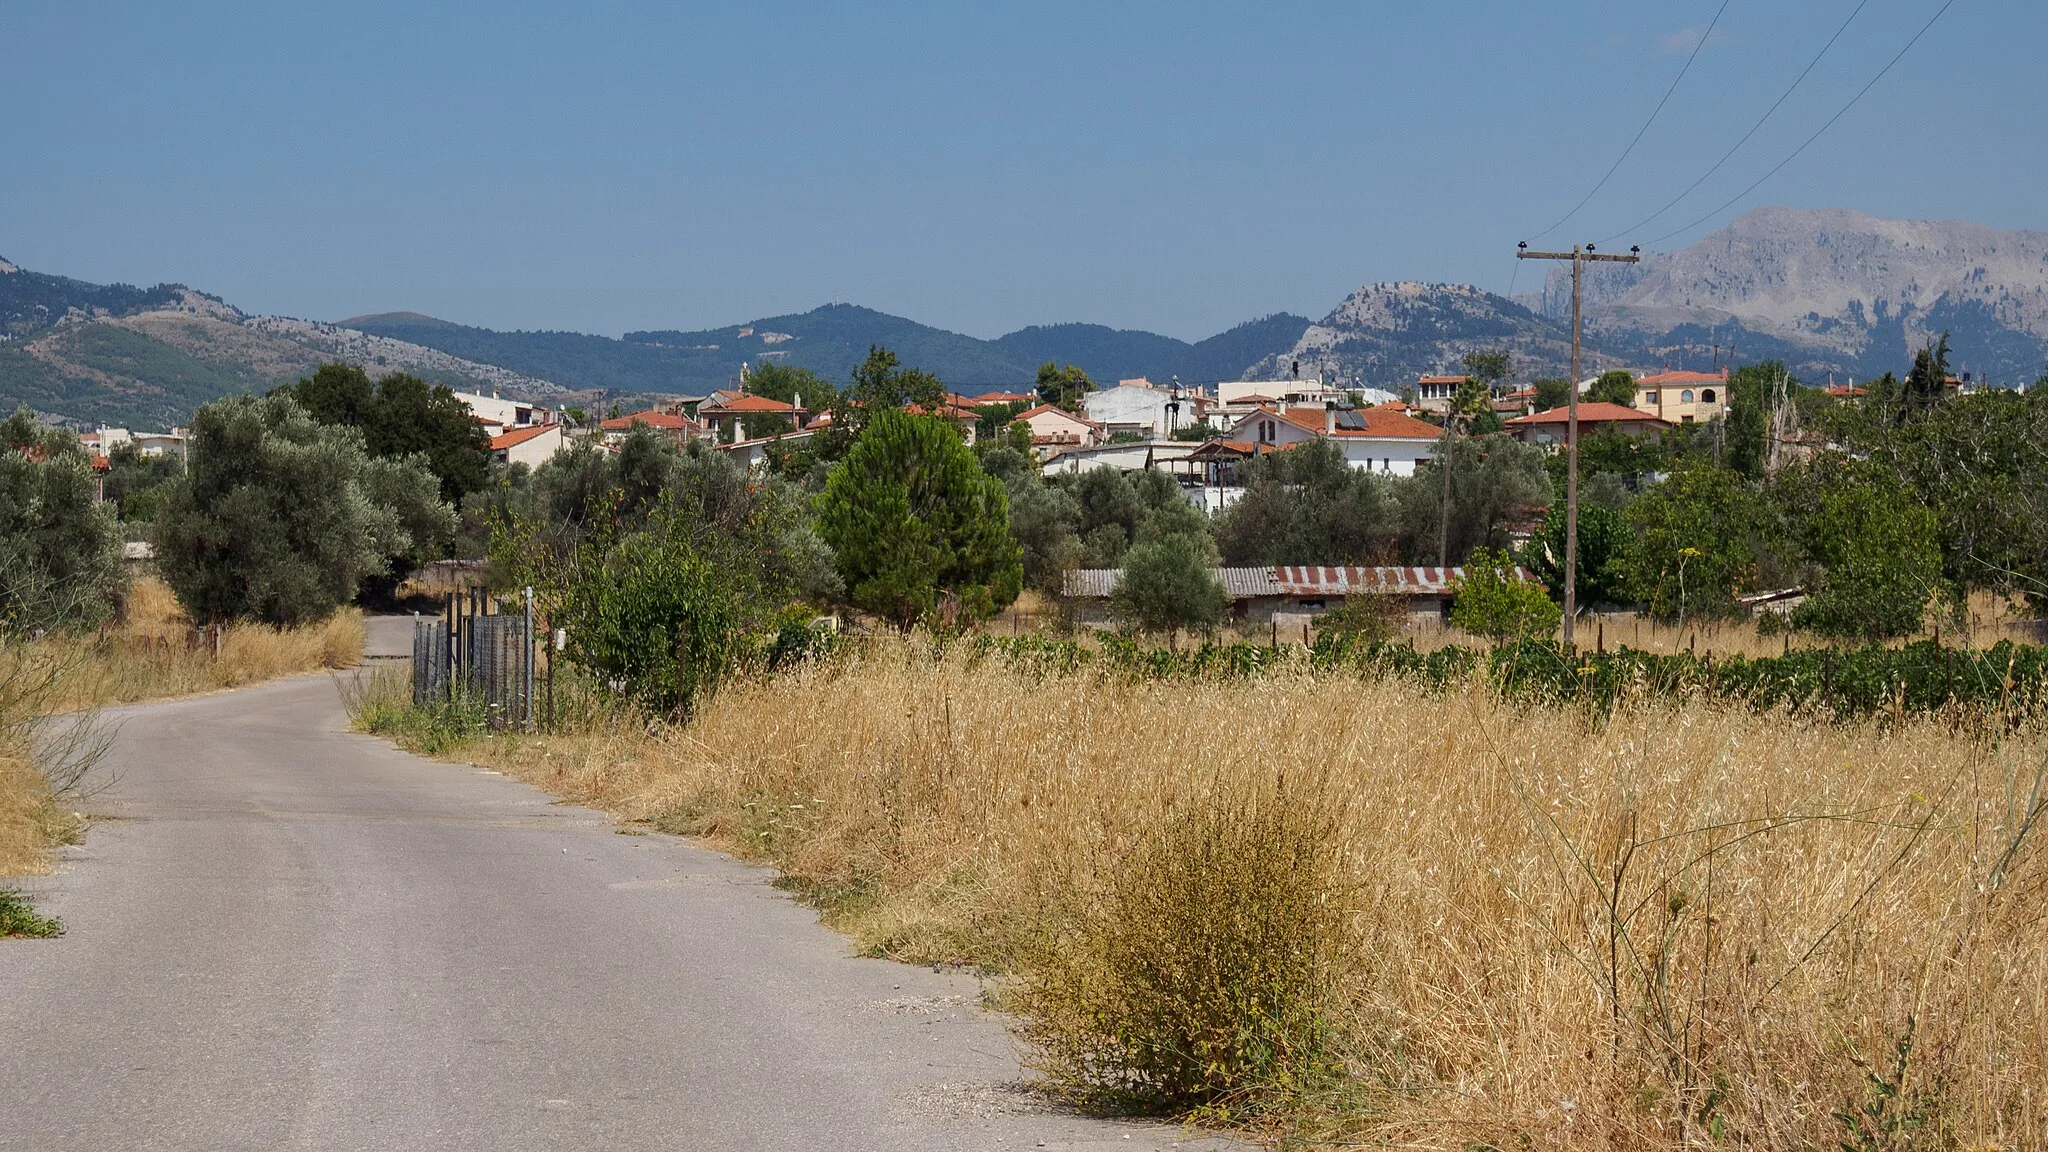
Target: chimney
(1329, 417)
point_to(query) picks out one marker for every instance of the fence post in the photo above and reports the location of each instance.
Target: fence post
(527, 652)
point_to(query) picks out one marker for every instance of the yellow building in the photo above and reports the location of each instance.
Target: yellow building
(1683, 397)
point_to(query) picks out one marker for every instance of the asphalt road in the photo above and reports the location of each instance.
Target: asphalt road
(285, 935)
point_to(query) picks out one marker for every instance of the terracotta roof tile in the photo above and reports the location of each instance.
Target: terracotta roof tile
(651, 418)
(1720, 377)
(519, 436)
(1590, 412)
(747, 404)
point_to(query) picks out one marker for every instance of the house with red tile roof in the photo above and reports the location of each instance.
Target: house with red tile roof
(1380, 439)
(1056, 429)
(1683, 397)
(1434, 393)
(989, 399)
(964, 417)
(532, 445)
(674, 425)
(1549, 428)
(729, 414)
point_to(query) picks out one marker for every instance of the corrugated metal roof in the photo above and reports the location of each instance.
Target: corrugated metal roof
(1241, 583)
(1297, 580)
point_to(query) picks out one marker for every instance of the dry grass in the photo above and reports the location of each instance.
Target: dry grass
(154, 652)
(27, 816)
(1683, 926)
(151, 654)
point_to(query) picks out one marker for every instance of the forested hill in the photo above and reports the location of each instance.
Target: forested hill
(831, 340)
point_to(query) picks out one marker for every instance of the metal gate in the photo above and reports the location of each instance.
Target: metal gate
(477, 656)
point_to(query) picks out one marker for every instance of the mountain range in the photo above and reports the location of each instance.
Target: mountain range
(1831, 292)
(1827, 291)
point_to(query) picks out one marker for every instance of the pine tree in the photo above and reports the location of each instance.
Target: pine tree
(913, 520)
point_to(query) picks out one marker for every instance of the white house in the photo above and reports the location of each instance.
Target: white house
(1143, 407)
(170, 443)
(749, 455)
(504, 415)
(532, 446)
(1372, 439)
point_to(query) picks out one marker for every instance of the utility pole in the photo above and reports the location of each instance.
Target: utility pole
(1579, 255)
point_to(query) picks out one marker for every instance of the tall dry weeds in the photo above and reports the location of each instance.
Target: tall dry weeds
(152, 653)
(1678, 927)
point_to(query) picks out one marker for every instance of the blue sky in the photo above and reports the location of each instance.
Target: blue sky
(1177, 167)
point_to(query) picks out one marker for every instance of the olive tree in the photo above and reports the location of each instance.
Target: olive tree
(280, 518)
(60, 549)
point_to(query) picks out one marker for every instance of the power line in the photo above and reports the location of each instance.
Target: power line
(1746, 135)
(1704, 37)
(1823, 128)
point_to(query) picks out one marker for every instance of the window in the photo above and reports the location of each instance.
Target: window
(1685, 397)
(1650, 397)
(1707, 396)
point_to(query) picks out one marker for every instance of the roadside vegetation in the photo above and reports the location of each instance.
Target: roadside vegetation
(1370, 908)
(1712, 878)
(79, 630)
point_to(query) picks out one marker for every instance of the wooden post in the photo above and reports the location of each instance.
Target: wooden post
(1579, 255)
(1600, 638)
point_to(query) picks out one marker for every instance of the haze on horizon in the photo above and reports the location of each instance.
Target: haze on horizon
(1178, 168)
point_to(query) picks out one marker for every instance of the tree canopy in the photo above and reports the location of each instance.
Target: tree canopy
(1063, 387)
(60, 549)
(914, 521)
(402, 416)
(280, 518)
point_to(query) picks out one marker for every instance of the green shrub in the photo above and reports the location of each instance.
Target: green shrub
(1494, 602)
(19, 918)
(1204, 973)
(1168, 584)
(1880, 556)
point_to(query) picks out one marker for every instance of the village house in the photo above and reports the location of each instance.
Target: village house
(1549, 428)
(1683, 397)
(728, 415)
(991, 399)
(499, 415)
(1055, 430)
(749, 455)
(673, 425)
(957, 411)
(532, 446)
(1372, 439)
(170, 443)
(1434, 393)
(1144, 408)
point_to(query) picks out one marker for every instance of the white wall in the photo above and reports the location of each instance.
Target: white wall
(1392, 456)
